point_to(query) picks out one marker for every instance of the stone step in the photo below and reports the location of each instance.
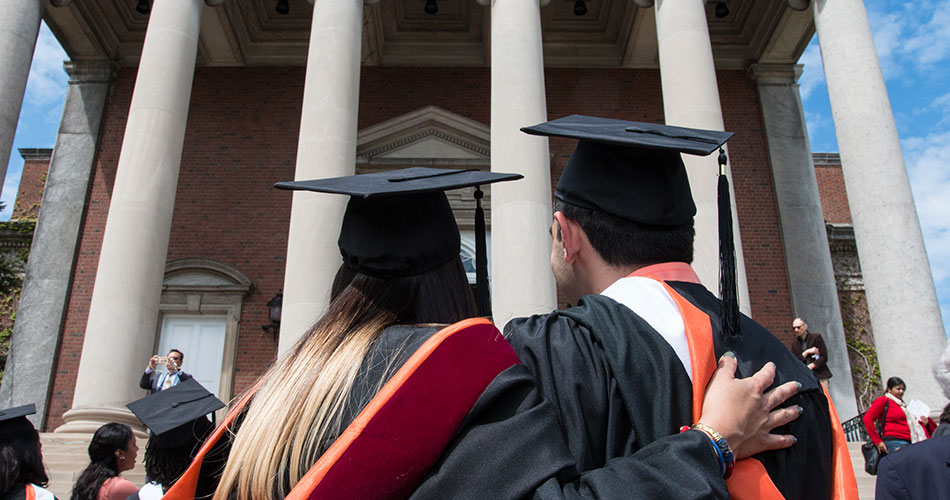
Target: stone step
(66, 455)
(866, 481)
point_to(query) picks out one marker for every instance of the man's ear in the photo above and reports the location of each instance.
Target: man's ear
(570, 237)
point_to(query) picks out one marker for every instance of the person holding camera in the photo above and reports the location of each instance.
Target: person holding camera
(810, 349)
(153, 381)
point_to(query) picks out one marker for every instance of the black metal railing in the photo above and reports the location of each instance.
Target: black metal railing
(854, 429)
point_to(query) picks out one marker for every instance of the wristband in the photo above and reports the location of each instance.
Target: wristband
(727, 459)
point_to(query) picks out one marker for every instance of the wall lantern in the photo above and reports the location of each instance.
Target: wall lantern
(722, 10)
(580, 8)
(273, 314)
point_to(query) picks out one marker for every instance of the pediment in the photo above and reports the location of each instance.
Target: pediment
(204, 275)
(427, 136)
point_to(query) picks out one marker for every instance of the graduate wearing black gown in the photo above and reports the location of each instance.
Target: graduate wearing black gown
(458, 416)
(22, 473)
(617, 383)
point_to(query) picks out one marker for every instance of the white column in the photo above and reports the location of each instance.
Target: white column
(691, 99)
(21, 25)
(905, 314)
(811, 276)
(522, 282)
(326, 148)
(123, 315)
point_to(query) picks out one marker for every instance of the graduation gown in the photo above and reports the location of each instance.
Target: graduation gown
(466, 432)
(28, 491)
(618, 385)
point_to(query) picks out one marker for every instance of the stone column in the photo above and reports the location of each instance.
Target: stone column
(522, 282)
(29, 371)
(326, 148)
(17, 40)
(902, 301)
(123, 315)
(811, 276)
(691, 99)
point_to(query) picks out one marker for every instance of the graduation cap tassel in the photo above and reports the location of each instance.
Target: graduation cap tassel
(727, 256)
(482, 297)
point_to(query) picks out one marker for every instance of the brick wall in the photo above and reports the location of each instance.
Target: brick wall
(32, 181)
(241, 138)
(834, 198)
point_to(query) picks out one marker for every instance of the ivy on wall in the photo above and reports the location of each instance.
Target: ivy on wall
(865, 371)
(12, 265)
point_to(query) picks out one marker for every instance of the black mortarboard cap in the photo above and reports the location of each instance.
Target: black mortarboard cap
(634, 170)
(630, 169)
(13, 420)
(177, 415)
(399, 223)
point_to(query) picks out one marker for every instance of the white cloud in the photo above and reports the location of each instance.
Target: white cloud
(910, 36)
(927, 158)
(813, 73)
(929, 43)
(888, 32)
(47, 81)
(821, 131)
(10, 185)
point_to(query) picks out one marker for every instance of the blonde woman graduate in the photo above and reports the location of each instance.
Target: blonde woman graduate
(400, 391)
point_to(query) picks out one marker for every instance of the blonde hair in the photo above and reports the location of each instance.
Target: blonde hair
(298, 408)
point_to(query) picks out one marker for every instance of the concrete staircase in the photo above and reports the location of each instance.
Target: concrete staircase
(865, 480)
(66, 455)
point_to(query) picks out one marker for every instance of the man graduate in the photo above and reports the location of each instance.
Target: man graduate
(459, 417)
(629, 363)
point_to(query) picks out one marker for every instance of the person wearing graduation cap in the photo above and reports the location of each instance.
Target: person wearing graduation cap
(380, 399)
(178, 420)
(22, 473)
(644, 335)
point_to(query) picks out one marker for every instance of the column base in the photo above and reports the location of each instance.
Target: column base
(88, 420)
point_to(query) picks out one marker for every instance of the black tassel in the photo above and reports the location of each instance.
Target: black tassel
(728, 292)
(482, 297)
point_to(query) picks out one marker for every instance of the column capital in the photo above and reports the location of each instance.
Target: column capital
(775, 74)
(90, 71)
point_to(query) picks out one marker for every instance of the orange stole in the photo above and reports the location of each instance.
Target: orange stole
(749, 479)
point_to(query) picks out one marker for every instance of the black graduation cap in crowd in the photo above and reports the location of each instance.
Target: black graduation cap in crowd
(178, 414)
(399, 223)
(634, 170)
(13, 421)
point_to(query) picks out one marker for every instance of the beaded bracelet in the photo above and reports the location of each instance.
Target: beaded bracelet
(727, 459)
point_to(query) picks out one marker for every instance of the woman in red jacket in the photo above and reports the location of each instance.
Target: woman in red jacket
(900, 427)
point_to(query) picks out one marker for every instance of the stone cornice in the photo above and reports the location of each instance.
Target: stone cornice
(775, 74)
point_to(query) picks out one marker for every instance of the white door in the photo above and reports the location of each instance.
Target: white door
(201, 340)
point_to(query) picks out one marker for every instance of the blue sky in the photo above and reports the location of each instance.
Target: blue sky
(913, 45)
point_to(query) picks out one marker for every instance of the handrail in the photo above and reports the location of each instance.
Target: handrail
(854, 429)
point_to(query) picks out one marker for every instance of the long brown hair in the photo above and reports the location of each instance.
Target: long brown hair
(299, 405)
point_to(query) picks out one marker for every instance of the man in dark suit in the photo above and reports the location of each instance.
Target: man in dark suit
(155, 382)
(810, 349)
(919, 471)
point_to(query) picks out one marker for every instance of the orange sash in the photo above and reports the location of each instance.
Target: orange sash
(403, 430)
(749, 479)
